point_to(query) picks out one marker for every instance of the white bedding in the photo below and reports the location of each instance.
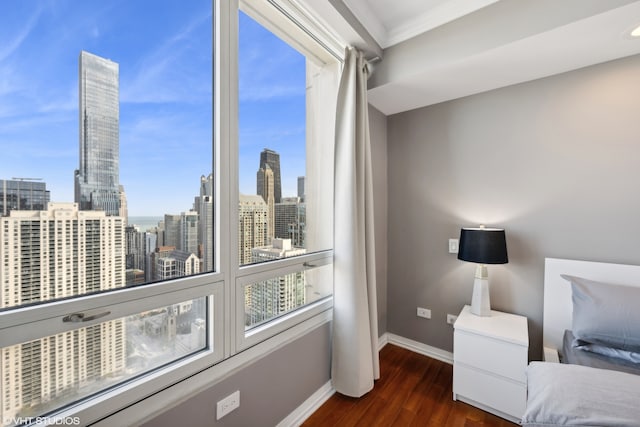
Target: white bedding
(573, 395)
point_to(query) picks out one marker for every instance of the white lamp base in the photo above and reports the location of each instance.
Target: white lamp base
(480, 301)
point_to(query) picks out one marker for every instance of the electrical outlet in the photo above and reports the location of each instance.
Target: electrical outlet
(451, 318)
(228, 404)
(424, 312)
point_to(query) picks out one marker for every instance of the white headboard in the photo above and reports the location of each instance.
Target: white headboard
(558, 308)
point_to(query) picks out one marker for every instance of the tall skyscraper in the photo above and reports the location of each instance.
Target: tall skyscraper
(151, 243)
(171, 231)
(301, 187)
(139, 246)
(83, 252)
(124, 208)
(133, 247)
(252, 226)
(205, 213)
(188, 232)
(181, 231)
(272, 158)
(266, 186)
(87, 250)
(291, 221)
(97, 185)
(22, 194)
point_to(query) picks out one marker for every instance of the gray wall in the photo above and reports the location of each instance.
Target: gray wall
(270, 389)
(556, 162)
(378, 132)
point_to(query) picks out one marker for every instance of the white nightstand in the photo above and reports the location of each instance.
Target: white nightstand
(490, 356)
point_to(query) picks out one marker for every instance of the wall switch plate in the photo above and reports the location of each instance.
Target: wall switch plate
(453, 246)
(228, 404)
(451, 318)
(424, 312)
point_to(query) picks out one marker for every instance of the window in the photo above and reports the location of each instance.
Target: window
(108, 186)
(286, 89)
(139, 204)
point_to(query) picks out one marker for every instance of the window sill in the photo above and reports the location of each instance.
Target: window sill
(105, 415)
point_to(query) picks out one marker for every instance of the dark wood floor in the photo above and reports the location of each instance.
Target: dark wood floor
(413, 390)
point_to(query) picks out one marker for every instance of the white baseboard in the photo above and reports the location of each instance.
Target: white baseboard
(308, 407)
(417, 347)
(383, 340)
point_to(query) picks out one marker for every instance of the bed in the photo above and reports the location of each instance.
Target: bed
(592, 320)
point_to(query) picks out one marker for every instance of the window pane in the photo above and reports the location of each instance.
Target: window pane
(268, 299)
(107, 146)
(277, 186)
(43, 375)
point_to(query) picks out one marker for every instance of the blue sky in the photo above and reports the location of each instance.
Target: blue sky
(164, 53)
(272, 85)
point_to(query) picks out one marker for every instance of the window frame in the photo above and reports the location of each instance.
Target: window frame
(290, 21)
(30, 322)
(230, 348)
(33, 322)
(268, 270)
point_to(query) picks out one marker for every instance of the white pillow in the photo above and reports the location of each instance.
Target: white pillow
(605, 314)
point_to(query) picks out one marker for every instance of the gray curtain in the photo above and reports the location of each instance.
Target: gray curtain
(355, 362)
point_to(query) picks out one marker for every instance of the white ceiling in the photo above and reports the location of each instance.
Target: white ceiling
(438, 50)
(391, 22)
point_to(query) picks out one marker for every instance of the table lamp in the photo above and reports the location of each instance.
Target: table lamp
(482, 246)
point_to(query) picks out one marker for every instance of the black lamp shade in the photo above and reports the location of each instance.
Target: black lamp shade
(483, 246)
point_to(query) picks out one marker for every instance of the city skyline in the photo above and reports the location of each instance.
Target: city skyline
(165, 97)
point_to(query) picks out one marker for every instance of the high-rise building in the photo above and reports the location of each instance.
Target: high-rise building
(151, 243)
(266, 185)
(273, 297)
(301, 187)
(291, 219)
(171, 231)
(160, 252)
(272, 158)
(181, 231)
(252, 226)
(139, 244)
(160, 233)
(97, 182)
(87, 250)
(124, 208)
(23, 194)
(188, 232)
(57, 253)
(204, 207)
(132, 246)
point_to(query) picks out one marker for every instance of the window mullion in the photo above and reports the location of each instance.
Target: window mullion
(283, 266)
(29, 314)
(29, 323)
(226, 134)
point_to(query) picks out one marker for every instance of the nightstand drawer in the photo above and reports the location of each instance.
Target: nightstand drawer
(501, 394)
(489, 354)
